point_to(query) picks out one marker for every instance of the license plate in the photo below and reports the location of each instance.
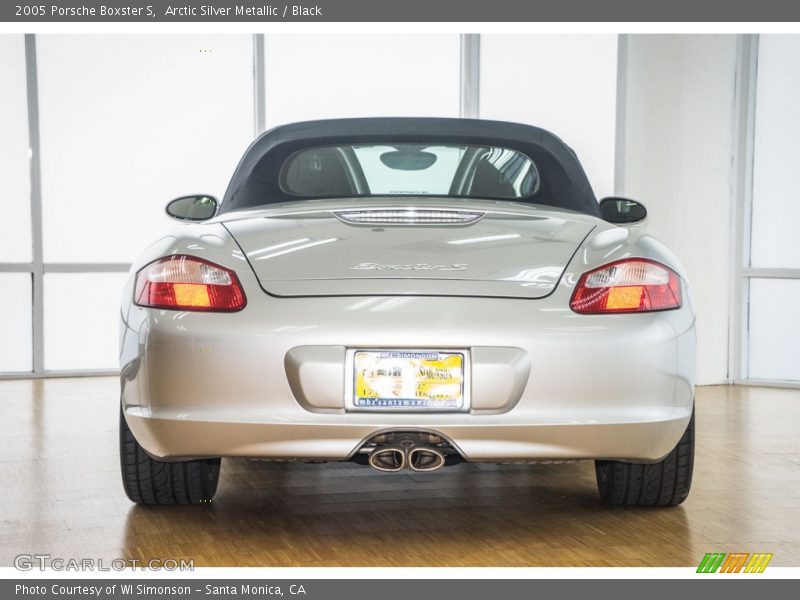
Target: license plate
(409, 380)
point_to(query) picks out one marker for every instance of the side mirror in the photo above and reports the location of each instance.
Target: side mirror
(193, 208)
(622, 210)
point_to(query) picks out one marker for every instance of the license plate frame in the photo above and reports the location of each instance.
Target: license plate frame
(352, 402)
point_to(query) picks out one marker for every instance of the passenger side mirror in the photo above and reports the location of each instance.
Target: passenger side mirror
(622, 210)
(193, 208)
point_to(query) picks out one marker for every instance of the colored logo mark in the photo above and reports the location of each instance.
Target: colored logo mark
(736, 562)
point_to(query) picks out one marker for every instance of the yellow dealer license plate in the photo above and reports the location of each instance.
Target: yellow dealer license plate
(408, 380)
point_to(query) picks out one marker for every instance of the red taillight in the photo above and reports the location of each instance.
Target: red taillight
(630, 285)
(188, 283)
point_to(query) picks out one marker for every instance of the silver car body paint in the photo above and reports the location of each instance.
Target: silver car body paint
(271, 380)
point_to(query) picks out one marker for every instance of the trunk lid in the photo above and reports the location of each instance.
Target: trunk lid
(493, 249)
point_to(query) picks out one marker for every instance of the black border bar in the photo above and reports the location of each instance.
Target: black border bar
(735, 587)
(264, 11)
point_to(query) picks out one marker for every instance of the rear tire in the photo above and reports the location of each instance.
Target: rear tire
(150, 481)
(665, 483)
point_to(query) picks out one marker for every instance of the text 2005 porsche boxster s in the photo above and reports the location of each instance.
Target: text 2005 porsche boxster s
(407, 294)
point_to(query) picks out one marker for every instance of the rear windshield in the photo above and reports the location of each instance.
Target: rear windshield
(394, 169)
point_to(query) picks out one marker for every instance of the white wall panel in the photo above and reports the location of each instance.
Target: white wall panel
(678, 148)
(129, 122)
(331, 76)
(564, 83)
(15, 222)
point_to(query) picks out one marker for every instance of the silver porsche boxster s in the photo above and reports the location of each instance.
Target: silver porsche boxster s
(407, 294)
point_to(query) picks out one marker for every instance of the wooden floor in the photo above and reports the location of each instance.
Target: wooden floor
(61, 495)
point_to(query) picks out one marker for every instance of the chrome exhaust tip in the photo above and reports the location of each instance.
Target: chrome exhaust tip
(425, 459)
(388, 459)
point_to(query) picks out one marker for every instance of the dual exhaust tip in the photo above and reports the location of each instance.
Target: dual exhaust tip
(417, 458)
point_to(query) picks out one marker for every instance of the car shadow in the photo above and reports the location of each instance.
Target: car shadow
(342, 514)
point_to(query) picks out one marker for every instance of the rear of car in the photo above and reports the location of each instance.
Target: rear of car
(350, 303)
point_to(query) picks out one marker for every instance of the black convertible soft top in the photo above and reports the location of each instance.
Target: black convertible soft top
(563, 181)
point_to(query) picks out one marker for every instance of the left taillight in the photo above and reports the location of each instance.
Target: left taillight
(627, 286)
(189, 283)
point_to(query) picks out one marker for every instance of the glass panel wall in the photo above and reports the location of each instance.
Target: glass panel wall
(564, 83)
(330, 76)
(773, 326)
(129, 122)
(15, 323)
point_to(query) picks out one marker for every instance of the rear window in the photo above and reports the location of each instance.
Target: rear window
(407, 169)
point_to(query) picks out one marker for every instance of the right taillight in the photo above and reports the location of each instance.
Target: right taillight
(627, 286)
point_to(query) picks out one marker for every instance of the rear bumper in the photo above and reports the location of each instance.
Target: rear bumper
(546, 383)
(174, 436)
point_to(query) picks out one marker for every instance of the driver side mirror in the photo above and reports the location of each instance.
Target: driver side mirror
(622, 210)
(193, 208)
